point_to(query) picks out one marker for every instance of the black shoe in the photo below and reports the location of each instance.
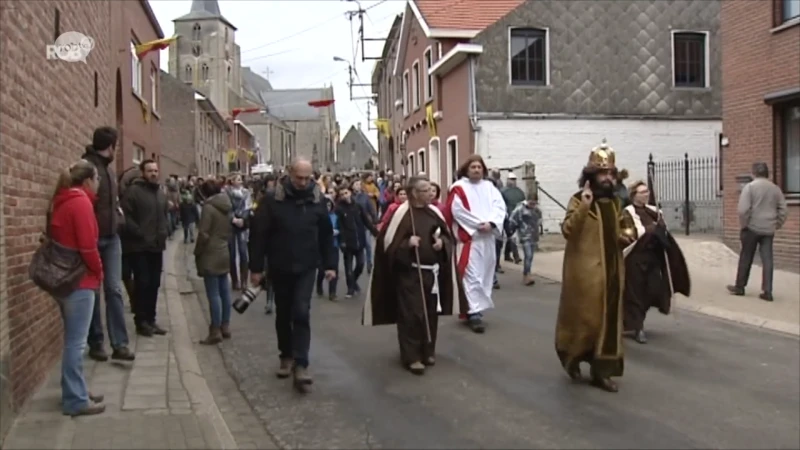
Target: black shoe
(766, 297)
(123, 354)
(734, 290)
(332, 297)
(157, 329)
(98, 354)
(144, 330)
(476, 325)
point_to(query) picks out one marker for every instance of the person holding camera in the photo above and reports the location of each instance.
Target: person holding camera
(212, 258)
(292, 230)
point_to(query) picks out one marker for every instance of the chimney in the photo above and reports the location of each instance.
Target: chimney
(359, 125)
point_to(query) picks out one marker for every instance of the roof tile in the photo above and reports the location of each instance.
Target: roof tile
(464, 14)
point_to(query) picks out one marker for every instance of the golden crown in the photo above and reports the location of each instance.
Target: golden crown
(602, 157)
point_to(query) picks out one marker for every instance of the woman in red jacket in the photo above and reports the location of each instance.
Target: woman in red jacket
(399, 198)
(73, 225)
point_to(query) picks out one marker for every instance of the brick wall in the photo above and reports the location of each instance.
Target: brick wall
(47, 115)
(177, 126)
(755, 62)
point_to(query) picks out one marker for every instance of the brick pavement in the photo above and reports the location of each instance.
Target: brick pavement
(712, 266)
(177, 394)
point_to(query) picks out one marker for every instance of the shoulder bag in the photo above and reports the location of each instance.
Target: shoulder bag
(54, 268)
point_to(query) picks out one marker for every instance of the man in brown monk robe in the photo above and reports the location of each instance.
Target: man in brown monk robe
(654, 265)
(589, 327)
(414, 278)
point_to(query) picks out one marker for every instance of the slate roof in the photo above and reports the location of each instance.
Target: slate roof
(292, 104)
(359, 134)
(464, 14)
(204, 10)
(253, 85)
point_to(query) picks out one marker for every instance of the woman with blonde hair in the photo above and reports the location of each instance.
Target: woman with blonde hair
(71, 222)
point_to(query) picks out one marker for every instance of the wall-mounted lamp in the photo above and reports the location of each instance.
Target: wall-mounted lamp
(723, 140)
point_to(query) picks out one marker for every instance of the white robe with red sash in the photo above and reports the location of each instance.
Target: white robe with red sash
(470, 205)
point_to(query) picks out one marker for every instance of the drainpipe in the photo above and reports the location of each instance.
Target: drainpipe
(473, 104)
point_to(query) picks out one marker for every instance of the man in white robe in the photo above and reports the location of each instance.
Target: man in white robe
(477, 213)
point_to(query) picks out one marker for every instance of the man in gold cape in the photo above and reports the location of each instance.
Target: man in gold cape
(655, 268)
(589, 327)
(414, 278)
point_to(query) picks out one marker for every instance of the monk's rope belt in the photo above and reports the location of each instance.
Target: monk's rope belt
(435, 291)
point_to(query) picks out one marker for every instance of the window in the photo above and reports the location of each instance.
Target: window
(187, 73)
(196, 51)
(415, 91)
(452, 158)
(421, 159)
(428, 78)
(228, 74)
(790, 9)
(405, 93)
(528, 57)
(353, 154)
(136, 71)
(439, 51)
(138, 154)
(96, 99)
(790, 125)
(689, 59)
(153, 89)
(204, 72)
(196, 32)
(411, 166)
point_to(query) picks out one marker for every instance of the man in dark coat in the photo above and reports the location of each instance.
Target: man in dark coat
(414, 279)
(107, 211)
(291, 229)
(145, 238)
(655, 268)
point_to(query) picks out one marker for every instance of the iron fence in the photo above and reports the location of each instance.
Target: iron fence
(688, 192)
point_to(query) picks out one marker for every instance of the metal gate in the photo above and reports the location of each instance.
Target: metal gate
(689, 193)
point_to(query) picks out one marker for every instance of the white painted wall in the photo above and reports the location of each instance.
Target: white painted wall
(560, 149)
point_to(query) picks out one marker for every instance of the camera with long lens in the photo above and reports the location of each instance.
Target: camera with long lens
(248, 296)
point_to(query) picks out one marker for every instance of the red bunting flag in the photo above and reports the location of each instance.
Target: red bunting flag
(236, 111)
(320, 103)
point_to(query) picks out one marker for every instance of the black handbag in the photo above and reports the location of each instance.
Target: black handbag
(54, 268)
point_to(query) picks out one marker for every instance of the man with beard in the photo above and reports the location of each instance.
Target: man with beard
(478, 212)
(654, 265)
(589, 327)
(414, 279)
(107, 211)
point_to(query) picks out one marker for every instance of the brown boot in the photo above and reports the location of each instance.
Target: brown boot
(285, 368)
(528, 280)
(225, 329)
(214, 336)
(301, 376)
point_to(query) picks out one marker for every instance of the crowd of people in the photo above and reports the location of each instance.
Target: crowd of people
(428, 252)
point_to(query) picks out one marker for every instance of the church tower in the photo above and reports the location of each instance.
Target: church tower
(206, 55)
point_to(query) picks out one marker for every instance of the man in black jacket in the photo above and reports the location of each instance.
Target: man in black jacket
(144, 241)
(106, 209)
(292, 230)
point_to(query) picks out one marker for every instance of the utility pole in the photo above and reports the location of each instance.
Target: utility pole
(360, 13)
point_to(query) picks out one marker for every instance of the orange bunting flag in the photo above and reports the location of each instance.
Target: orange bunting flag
(236, 111)
(152, 46)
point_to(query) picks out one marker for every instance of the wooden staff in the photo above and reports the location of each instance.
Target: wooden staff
(419, 272)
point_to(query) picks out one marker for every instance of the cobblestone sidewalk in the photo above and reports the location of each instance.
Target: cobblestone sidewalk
(161, 400)
(712, 266)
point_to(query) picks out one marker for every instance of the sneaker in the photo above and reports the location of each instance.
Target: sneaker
(301, 376)
(285, 369)
(98, 354)
(123, 354)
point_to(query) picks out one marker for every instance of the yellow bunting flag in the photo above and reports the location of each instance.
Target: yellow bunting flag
(233, 155)
(431, 121)
(153, 46)
(145, 112)
(383, 127)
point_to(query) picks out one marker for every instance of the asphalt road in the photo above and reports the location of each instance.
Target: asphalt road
(698, 383)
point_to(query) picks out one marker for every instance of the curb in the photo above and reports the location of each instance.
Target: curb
(791, 329)
(191, 375)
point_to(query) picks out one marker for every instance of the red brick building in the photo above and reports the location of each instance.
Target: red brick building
(761, 109)
(242, 152)
(48, 110)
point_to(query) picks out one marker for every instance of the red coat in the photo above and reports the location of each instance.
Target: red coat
(74, 225)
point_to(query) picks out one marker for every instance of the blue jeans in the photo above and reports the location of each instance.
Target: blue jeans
(76, 312)
(111, 253)
(368, 250)
(218, 291)
(237, 246)
(188, 232)
(528, 249)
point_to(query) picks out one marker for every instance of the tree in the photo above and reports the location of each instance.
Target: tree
(369, 165)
